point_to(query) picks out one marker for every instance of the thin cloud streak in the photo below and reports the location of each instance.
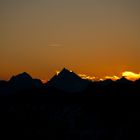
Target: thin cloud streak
(55, 45)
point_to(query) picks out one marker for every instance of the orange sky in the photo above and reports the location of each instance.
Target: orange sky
(97, 38)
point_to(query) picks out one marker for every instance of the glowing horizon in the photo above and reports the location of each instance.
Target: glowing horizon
(95, 37)
(129, 75)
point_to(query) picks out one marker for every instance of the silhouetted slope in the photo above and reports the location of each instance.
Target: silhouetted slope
(68, 82)
(123, 80)
(24, 81)
(4, 85)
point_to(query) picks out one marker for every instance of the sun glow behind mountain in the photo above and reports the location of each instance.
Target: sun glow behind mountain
(84, 76)
(127, 74)
(131, 75)
(114, 78)
(99, 37)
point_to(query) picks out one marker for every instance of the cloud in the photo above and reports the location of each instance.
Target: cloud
(54, 45)
(114, 78)
(131, 75)
(83, 76)
(127, 74)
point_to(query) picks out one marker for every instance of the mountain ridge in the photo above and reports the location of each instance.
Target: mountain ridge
(68, 81)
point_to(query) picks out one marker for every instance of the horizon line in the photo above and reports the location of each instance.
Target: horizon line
(129, 75)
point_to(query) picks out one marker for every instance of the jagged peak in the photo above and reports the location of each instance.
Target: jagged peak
(68, 81)
(67, 73)
(65, 70)
(123, 80)
(23, 75)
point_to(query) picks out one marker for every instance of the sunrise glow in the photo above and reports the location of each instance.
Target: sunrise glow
(83, 76)
(57, 72)
(114, 78)
(94, 37)
(127, 74)
(131, 75)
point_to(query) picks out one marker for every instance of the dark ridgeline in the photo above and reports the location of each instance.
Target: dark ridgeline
(68, 82)
(68, 107)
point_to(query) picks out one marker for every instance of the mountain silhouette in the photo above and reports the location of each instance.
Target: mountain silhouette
(3, 83)
(68, 81)
(24, 81)
(30, 108)
(4, 88)
(123, 80)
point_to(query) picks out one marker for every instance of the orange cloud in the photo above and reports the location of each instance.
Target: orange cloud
(114, 78)
(131, 75)
(83, 76)
(127, 74)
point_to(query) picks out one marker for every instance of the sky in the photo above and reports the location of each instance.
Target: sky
(93, 37)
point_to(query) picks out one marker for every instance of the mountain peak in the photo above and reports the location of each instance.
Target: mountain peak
(68, 75)
(21, 76)
(25, 73)
(123, 80)
(68, 81)
(21, 81)
(64, 70)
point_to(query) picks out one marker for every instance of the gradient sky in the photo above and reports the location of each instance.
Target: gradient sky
(94, 37)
